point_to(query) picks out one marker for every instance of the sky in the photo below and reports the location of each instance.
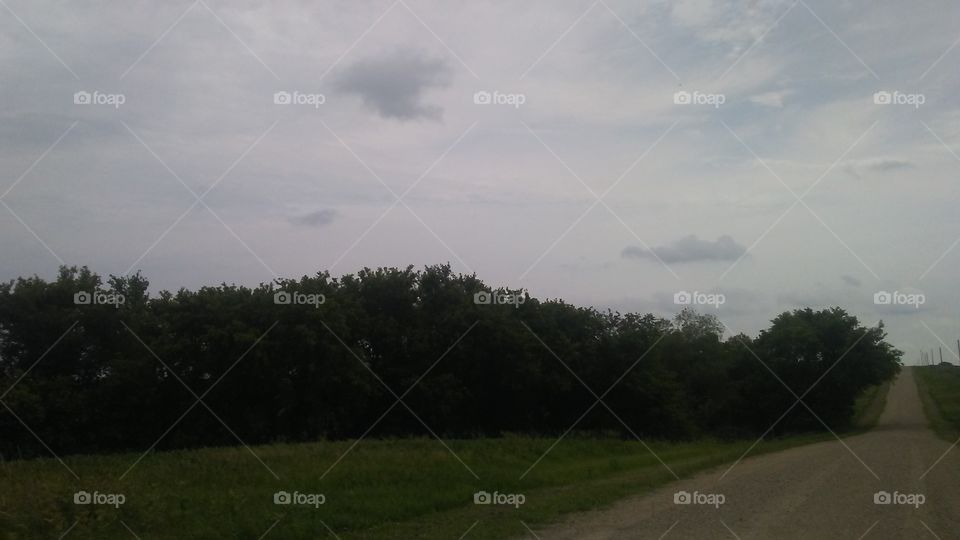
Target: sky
(751, 157)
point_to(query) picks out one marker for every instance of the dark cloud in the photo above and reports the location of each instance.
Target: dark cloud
(394, 85)
(850, 280)
(316, 219)
(689, 249)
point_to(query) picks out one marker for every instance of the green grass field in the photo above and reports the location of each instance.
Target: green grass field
(939, 388)
(383, 489)
(410, 488)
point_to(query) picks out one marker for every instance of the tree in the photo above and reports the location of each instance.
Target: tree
(87, 374)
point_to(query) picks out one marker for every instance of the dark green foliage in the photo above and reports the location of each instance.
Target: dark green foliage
(121, 375)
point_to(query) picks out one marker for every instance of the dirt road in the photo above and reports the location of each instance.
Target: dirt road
(823, 490)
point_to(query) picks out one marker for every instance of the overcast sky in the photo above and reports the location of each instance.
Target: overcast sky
(540, 144)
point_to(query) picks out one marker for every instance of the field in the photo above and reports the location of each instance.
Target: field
(381, 489)
(940, 393)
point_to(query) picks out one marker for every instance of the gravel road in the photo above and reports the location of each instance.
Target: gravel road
(823, 490)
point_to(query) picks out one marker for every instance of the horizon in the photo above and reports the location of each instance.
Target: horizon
(789, 155)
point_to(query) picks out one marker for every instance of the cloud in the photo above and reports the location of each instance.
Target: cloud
(850, 280)
(689, 249)
(861, 167)
(769, 99)
(394, 85)
(319, 218)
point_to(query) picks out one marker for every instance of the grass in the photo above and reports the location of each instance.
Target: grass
(939, 388)
(408, 488)
(382, 489)
(869, 406)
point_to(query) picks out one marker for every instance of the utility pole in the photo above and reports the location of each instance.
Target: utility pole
(941, 354)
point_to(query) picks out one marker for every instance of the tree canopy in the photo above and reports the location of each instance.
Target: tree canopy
(100, 366)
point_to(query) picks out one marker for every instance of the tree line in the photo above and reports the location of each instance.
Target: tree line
(90, 365)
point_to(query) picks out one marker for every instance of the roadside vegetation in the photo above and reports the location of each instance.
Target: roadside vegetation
(939, 388)
(412, 488)
(381, 489)
(342, 387)
(870, 405)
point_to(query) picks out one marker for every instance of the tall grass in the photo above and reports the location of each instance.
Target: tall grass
(869, 406)
(939, 388)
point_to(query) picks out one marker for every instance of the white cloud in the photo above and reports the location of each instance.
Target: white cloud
(770, 99)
